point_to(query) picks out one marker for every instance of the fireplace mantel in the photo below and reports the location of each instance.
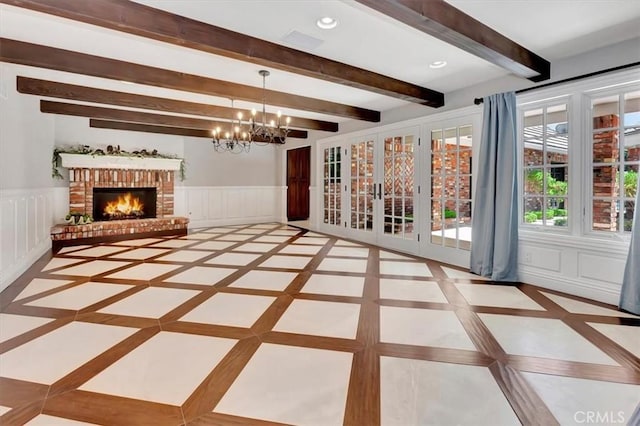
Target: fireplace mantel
(84, 161)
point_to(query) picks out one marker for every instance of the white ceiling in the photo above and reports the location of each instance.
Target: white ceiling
(363, 38)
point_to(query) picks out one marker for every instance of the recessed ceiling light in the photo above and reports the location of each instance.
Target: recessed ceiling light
(326, 23)
(437, 64)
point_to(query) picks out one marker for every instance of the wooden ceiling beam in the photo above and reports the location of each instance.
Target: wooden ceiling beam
(33, 86)
(62, 108)
(23, 53)
(150, 128)
(145, 21)
(441, 20)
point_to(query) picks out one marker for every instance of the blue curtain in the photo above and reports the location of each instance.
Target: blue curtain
(630, 294)
(494, 234)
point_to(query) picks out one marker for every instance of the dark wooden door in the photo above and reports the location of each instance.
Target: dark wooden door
(298, 180)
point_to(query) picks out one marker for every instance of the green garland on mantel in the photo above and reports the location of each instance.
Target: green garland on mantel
(111, 151)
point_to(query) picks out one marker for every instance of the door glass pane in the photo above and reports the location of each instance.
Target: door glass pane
(398, 163)
(331, 185)
(361, 192)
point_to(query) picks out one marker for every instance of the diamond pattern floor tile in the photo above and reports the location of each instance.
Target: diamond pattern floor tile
(144, 272)
(414, 269)
(14, 325)
(417, 392)
(334, 285)
(202, 275)
(97, 251)
(237, 310)
(331, 319)
(184, 256)
(78, 297)
(544, 338)
(497, 295)
(152, 302)
(285, 262)
(237, 259)
(256, 247)
(419, 291)
(343, 265)
(149, 371)
(139, 254)
(265, 280)
(54, 355)
(291, 385)
(40, 285)
(408, 326)
(89, 269)
(578, 307)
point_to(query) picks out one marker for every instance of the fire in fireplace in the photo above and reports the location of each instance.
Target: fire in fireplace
(124, 203)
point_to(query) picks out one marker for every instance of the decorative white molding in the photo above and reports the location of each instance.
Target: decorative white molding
(207, 206)
(85, 161)
(25, 219)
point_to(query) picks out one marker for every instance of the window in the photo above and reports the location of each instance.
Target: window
(545, 136)
(615, 156)
(332, 183)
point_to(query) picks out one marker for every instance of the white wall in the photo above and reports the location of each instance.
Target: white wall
(205, 167)
(26, 192)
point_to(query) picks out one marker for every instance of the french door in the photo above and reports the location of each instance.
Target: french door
(331, 170)
(449, 177)
(409, 189)
(382, 200)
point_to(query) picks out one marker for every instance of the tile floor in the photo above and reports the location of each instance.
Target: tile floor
(267, 323)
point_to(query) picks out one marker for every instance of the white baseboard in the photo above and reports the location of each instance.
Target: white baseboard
(241, 221)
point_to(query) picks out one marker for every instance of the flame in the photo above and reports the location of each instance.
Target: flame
(125, 205)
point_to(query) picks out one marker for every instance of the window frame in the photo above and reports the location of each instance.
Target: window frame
(588, 98)
(573, 210)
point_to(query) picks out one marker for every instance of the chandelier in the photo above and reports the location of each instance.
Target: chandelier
(238, 138)
(235, 140)
(272, 132)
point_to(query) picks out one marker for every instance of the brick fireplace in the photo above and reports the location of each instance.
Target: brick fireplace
(83, 181)
(88, 173)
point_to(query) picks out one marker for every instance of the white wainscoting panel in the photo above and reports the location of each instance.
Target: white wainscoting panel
(26, 216)
(228, 205)
(601, 267)
(573, 265)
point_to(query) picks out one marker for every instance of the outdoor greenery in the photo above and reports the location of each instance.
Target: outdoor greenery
(449, 214)
(558, 216)
(87, 150)
(630, 183)
(535, 179)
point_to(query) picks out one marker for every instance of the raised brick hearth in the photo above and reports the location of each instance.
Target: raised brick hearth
(64, 235)
(83, 180)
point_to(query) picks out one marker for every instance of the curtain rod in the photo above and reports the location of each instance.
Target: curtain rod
(478, 101)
